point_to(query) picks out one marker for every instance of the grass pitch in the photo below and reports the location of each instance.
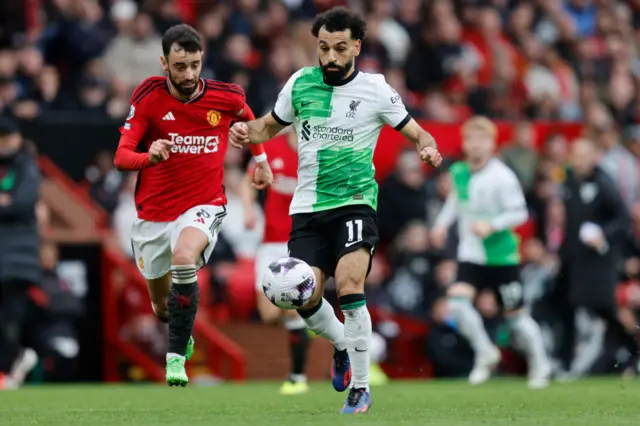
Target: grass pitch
(595, 402)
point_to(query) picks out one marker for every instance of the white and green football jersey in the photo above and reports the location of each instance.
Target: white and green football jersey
(491, 194)
(338, 128)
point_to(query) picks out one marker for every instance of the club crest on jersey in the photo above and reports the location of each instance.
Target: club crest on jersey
(132, 112)
(353, 108)
(213, 117)
(141, 262)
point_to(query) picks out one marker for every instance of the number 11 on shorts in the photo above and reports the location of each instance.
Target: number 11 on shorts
(358, 230)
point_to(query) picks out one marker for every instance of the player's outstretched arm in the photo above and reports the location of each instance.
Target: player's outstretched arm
(256, 131)
(394, 113)
(424, 142)
(264, 128)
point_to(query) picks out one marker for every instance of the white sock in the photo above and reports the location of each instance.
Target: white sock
(470, 324)
(294, 323)
(528, 333)
(357, 333)
(297, 378)
(325, 323)
(172, 355)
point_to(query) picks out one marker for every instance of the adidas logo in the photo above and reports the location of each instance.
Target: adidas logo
(169, 116)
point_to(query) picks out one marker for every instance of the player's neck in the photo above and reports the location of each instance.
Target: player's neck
(477, 165)
(176, 94)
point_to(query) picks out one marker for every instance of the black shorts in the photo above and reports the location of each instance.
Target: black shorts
(322, 238)
(504, 281)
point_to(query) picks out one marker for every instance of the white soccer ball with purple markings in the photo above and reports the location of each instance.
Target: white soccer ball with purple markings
(289, 283)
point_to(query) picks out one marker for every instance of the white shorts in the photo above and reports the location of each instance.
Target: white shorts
(153, 242)
(268, 253)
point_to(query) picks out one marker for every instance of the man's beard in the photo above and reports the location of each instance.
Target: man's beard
(184, 91)
(335, 76)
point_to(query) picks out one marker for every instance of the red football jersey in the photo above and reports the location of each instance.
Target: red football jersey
(199, 130)
(284, 165)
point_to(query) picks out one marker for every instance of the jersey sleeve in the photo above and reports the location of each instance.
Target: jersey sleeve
(392, 109)
(134, 128)
(512, 202)
(283, 111)
(246, 114)
(137, 122)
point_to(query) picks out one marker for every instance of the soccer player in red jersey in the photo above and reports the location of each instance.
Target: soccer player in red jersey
(283, 159)
(176, 137)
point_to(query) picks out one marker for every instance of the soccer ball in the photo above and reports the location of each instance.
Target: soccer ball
(289, 283)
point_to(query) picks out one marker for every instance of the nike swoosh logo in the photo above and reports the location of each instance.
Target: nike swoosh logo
(352, 243)
(304, 104)
(361, 350)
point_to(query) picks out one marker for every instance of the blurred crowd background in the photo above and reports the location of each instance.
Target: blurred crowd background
(508, 59)
(522, 61)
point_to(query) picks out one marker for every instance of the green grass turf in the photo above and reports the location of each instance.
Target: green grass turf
(597, 402)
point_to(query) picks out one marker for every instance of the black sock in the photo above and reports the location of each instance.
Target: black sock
(183, 306)
(298, 341)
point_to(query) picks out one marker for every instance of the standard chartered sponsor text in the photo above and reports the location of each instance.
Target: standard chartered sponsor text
(335, 133)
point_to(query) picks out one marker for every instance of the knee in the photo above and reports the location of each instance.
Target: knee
(461, 290)
(183, 256)
(349, 284)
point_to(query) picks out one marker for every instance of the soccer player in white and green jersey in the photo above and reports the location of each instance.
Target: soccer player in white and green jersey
(338, 113)
(488, 203)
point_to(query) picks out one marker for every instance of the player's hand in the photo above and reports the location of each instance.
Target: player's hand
(159, 151)
(439, 236)
(482, 229)
(239, 135)
(262, 176)
(250, 219)
(431, 156)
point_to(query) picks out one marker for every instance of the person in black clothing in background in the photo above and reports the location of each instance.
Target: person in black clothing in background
(19, 249)
(596, 221)
(51, 326)
(403, 197)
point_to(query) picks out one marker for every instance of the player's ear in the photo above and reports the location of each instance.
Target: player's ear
(165, 64)
(357, 46)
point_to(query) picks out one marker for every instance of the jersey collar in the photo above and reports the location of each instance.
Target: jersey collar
(345, 81)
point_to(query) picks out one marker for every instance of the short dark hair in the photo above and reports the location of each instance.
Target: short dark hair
(184, 36)
(340, 19)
